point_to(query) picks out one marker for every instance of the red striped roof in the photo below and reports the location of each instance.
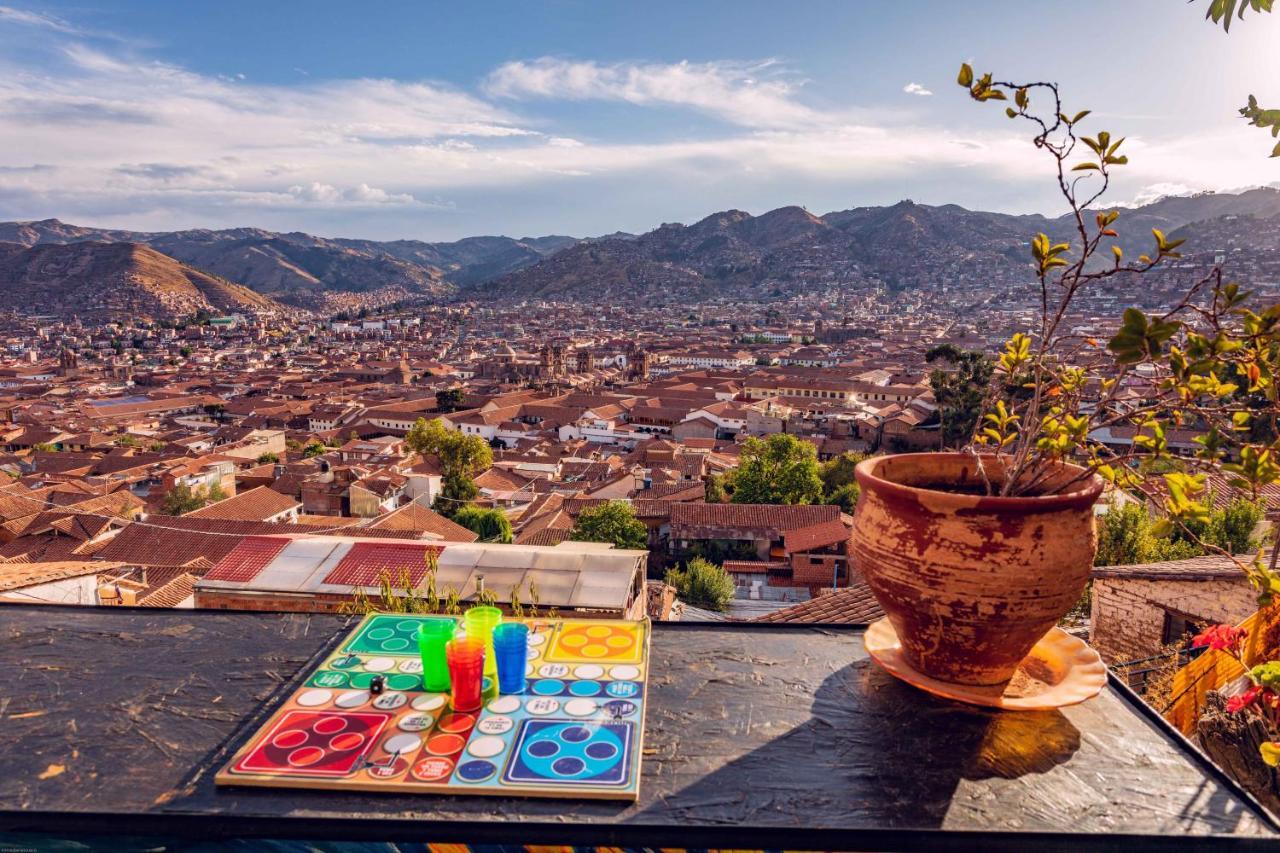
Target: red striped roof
(247, 559)
(365, 563)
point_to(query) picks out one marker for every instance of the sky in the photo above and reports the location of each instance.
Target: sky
(436, 121)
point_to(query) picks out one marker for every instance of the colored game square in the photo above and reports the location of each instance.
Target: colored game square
(598, 642)
(571, 753)
(314, 744)
(388, 634)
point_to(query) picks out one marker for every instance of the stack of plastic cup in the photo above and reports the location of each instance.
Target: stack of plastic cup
(466, 671)
(433, 635)
(511, 650)
(480, 622)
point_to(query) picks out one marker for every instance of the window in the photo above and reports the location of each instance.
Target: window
(1179, 627)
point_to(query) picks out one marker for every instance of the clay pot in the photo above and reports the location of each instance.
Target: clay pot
(970, 582)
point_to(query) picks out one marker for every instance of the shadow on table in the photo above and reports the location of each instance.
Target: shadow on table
(875, 753)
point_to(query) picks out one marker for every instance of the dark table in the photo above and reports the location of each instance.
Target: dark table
(115, 720)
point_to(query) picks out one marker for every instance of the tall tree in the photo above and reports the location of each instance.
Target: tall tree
(462, 458)
(182, 499)
(449, 400)
(781, 469)
(491, 525)
(959, 391)
(614, 522)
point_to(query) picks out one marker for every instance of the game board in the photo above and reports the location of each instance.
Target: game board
(576, 731)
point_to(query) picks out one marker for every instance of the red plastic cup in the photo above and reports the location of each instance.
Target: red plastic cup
(466, 672)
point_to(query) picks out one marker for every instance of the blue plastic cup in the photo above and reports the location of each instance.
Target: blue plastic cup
(511, 653)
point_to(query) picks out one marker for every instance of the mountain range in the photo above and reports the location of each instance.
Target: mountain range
(788, 250)
(728, 254)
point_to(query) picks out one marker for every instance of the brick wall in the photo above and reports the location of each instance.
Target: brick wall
(1128, 616)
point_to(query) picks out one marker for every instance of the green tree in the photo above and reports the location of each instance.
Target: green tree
(614, 522)
(312, 450)
(462, 458)
(126, 440)
(959, 392)
(456, 492)
(702, 584)
(491, 525)
(1127, 534)
(182, 499)
(1230, 528)
(838, 472)
(778, 470)
(268, 458)
(714, 493)
(839, 487)
(1124, 536)
(449, 400)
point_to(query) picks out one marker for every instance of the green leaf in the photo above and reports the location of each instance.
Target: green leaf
(1084, 167)
(966, 75)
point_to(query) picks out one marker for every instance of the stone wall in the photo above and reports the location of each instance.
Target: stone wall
(1128, 614)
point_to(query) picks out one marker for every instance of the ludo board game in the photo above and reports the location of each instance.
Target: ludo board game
(575, 731)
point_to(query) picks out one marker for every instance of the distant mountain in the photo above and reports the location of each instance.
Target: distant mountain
(730, 254)
(471, 260)
(114, 281)
(905, 245)
(302, 269)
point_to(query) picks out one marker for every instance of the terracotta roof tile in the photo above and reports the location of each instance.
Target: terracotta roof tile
(757, 516)
(418, 518)
(852, 605)
(19, 575)
(257, 504)
(171, 594)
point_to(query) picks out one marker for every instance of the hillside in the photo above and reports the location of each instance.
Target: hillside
(114, 281)
(302, 269)
(733, 254)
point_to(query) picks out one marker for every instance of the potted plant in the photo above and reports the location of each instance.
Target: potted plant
(975, 554)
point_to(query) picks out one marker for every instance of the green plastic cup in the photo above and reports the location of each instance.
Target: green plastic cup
(433, 636)
(480, 622)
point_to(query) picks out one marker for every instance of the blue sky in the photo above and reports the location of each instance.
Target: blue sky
(436, 121)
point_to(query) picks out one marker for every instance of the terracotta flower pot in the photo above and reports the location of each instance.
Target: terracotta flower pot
(970, 582)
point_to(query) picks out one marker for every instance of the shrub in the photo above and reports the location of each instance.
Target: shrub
(703, 584)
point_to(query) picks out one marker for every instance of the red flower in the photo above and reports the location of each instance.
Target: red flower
(1223, 637)
(1244, 700)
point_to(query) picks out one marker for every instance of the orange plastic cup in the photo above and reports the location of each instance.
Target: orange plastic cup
(466, 672)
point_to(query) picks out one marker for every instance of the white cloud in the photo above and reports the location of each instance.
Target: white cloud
(26, 17)
(1157, 191)
(360, 195)
(749, 94)
(916, 89)
(104, 137)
